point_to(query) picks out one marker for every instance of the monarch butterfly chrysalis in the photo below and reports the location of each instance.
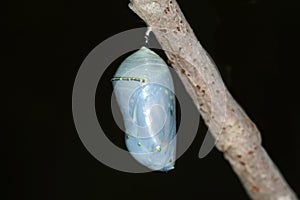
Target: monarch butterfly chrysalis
(144, 90)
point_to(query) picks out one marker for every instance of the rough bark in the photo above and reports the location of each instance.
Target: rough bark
(236, 135)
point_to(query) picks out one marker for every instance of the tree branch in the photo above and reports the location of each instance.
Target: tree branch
(235, 134)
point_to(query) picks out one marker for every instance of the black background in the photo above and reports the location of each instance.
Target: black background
(258, 40)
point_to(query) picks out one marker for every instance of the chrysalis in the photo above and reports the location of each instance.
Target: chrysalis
(144, 91)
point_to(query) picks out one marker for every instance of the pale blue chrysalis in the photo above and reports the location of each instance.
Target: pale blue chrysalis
(144, 91)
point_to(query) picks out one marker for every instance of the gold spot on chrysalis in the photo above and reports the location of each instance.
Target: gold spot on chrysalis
(158, 148)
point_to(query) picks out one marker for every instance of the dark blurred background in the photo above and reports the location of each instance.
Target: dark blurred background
(254, 43)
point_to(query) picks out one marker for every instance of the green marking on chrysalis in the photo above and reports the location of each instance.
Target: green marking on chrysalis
(139, 144)
(127, 136)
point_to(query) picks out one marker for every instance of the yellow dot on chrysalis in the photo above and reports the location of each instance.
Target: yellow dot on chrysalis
(158, 148)
(173, 167)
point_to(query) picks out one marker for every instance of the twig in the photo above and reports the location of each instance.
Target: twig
(235, 134)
